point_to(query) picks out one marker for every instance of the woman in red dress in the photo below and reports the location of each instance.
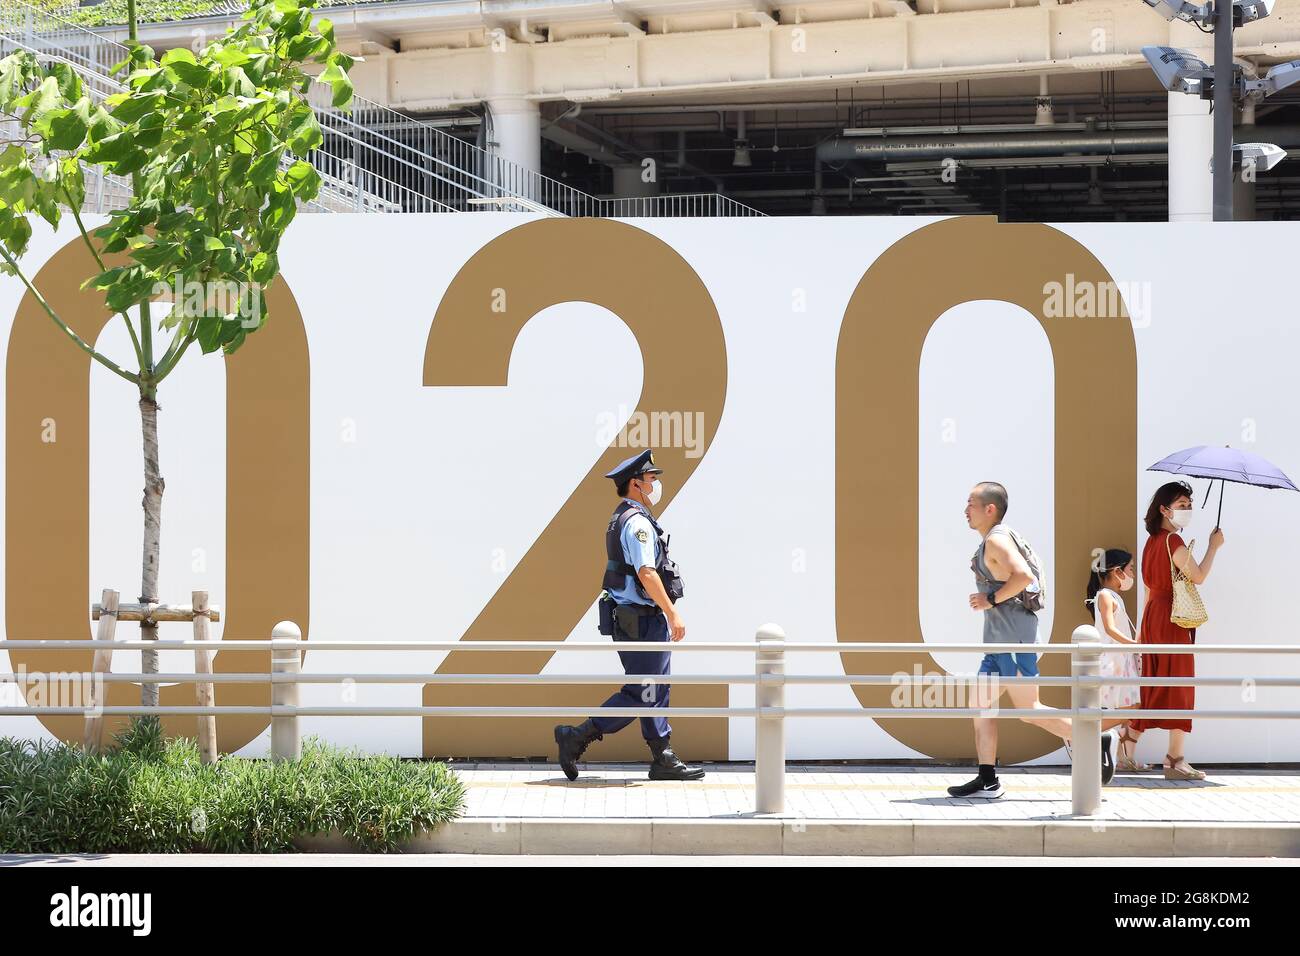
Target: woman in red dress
(1169, 513)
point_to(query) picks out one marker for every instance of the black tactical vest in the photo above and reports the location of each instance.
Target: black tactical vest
(616, 568)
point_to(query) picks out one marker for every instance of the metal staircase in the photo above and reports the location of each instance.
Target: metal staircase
(372, 158)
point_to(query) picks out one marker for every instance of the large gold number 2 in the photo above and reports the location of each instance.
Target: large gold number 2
(657, 294)
(47, 494)
(877, 373)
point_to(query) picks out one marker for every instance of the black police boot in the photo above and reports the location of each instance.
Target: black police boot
(667, 766)
(572, 742)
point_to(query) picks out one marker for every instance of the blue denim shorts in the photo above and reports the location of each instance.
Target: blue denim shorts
(1010, 665)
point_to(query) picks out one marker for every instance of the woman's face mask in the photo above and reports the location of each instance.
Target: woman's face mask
(1180, 518)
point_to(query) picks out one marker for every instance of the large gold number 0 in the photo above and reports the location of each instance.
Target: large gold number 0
(878, 363)
(657, 294)
(47, 494)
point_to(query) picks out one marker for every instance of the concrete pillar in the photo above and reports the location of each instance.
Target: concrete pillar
(515, 138)
(517, 131)
(1191, 140)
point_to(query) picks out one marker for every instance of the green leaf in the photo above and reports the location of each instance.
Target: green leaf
(262, 171)
(229, 56)
(238, 169)
(102, 125)
(265, 267)
(304, 132)
(112, 149)
(18, 185)
(130, 286)
(190, 74)
(233, 345)
(178, 54)
(74, 182)
(41, 100)
(331, 74)
(209, 333)
(304, 180)
(104, 279)
(212, 244)
(132, 162)
(139, 105)
(306, 46)
(159, 255)
(238, 83)
(15, 233)
(138, 77)
(342, 94)
(14, 71)
(66, 129)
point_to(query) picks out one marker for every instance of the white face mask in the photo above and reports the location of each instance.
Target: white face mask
(1126, 582)
(1180, 519)
(656, 492)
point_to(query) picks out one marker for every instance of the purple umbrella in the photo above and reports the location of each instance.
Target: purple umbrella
(1223, 465)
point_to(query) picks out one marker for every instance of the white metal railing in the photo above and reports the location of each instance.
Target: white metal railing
(769, 679)
(377, 159)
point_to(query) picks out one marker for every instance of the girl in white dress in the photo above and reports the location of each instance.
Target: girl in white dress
(1113, 572)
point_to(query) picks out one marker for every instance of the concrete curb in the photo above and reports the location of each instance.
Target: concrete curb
(783, 836)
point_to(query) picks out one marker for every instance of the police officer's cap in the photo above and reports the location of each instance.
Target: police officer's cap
(640, 464)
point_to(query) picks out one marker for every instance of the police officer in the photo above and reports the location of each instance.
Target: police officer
(642, 584)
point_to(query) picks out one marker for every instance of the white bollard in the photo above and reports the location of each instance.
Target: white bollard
(769, 732)
(286, 639)
(1085, 775)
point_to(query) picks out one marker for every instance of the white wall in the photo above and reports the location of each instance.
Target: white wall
(1215, 358)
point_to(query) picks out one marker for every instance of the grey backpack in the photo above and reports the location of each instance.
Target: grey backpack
(1034, 597)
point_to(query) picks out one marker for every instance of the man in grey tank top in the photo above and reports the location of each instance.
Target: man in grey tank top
(1002, 575)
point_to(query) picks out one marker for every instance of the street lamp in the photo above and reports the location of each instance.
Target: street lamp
(1182, 72)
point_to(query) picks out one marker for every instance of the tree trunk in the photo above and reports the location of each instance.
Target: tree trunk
(152, 503)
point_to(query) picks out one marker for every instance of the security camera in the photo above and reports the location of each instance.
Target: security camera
(1248, 11)
(1181, 10)
(1278, 78)
(1262, 156)
(1178, 70)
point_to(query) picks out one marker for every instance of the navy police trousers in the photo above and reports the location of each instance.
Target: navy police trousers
(653, 628)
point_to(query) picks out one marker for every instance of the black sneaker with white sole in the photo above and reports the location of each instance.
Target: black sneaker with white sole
(978, 789)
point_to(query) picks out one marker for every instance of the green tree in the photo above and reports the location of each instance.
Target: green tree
(216, 145)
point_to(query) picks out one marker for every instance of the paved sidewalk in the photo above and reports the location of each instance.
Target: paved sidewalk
(858, 793)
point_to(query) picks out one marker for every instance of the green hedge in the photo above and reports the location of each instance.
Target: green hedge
(152, 795)
(112, 13)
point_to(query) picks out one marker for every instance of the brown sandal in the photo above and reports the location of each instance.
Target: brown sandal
(1126, 757)
(1173, 772)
